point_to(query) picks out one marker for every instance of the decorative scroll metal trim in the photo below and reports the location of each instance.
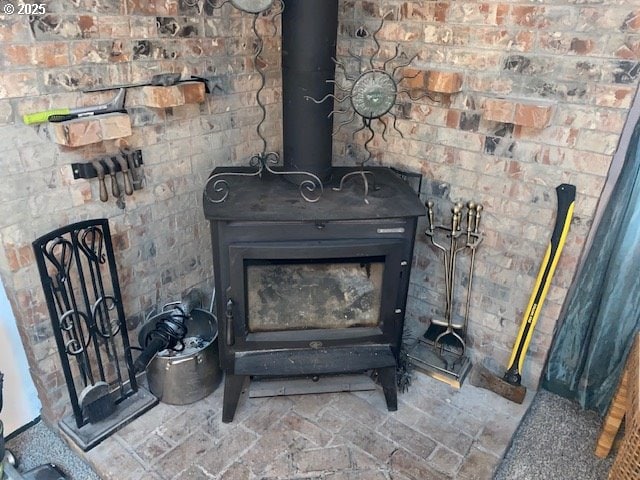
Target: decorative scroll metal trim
(362, 174)
(311, 187)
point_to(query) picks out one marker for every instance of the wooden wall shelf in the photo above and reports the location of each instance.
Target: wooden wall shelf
(93, 129)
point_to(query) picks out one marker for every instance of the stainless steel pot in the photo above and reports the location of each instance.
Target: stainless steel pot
(181, 378)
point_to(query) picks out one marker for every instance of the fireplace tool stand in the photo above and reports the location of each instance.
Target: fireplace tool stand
(441, 351)
(80, 282)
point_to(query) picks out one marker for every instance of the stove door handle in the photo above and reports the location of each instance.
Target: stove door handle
(229, 336)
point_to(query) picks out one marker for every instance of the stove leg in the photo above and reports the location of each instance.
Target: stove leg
(232, 390)
(387, 378)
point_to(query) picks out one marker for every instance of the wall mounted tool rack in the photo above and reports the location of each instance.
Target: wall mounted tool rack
(87, 170)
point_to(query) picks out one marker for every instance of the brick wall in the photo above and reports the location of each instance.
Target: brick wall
(545, 92)
(546, 88)
(161, 237)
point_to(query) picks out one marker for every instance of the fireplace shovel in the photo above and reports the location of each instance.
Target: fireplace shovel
(509, 386)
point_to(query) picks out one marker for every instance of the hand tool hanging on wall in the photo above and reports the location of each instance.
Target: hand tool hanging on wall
(124, 168)
(111, 169)
(104, 196)
(129, 162)
(158, 80)
(509, 386)
(63, 114)
(134, 160)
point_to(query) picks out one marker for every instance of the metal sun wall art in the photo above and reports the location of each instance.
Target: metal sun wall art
(217, 187)
(372, 92)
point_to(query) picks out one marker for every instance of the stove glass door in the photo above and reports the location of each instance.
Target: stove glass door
(302, 294)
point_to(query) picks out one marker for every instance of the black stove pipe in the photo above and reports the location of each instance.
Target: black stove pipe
(309, 32)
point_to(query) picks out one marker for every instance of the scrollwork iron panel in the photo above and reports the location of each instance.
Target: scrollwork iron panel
(80, 282)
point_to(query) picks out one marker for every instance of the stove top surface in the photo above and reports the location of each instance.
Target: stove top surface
(274, 198)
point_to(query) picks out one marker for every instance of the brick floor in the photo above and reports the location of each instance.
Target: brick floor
(437, 433)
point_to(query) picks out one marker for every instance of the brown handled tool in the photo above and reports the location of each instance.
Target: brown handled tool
(115, 188)
(126, 174)
(104, 196)
(509, 386)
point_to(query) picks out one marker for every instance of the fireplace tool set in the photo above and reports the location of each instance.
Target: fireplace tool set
(80, 282)
(441, 351)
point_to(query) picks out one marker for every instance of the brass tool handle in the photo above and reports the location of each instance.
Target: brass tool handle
(430, 215)
(471, 213)
(455, 218)
(459, 215)
(476, 227)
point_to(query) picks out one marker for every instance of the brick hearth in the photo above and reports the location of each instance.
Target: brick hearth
(437, 433)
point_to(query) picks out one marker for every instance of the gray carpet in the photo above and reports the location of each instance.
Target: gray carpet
(39, 445)
(555, 440)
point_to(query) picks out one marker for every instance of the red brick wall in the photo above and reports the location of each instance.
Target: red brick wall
(544, 95)
(161, 237)
(546, 88)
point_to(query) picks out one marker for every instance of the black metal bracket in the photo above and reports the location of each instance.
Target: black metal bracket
(86, 169)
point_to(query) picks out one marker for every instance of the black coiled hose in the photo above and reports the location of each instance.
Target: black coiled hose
(169, 332)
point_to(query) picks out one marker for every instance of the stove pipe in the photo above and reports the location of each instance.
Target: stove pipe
(309, 32)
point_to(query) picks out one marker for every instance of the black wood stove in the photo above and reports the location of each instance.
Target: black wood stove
(308, 288)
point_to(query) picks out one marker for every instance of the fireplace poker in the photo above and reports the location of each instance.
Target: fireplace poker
(430, 234)
(474, 216)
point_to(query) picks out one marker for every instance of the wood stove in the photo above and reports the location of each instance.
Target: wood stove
(309, 284)
(311, 288)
